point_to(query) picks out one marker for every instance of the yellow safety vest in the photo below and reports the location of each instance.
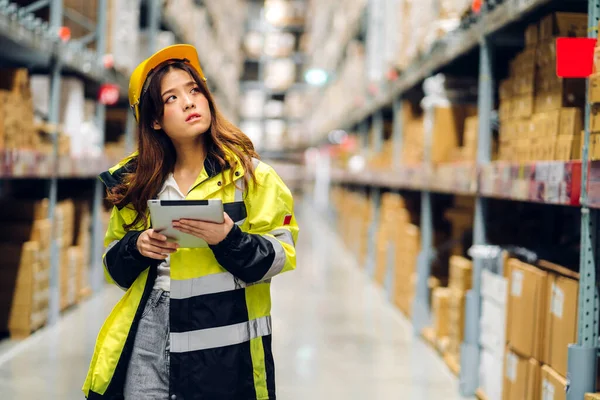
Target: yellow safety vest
(220, 296)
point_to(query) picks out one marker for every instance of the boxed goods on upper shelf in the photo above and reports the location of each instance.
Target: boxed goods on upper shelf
(16, 111)
(79, 133)
(541, 114)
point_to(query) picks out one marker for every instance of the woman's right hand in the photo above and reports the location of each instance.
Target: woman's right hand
(154, 245)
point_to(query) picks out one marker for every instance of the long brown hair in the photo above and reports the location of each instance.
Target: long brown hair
(157, 156)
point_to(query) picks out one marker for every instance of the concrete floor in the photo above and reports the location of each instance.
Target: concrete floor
(335, 337)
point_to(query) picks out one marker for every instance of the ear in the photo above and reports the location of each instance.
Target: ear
(156, 125)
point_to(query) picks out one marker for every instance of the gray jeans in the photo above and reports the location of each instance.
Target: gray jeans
(148, 371)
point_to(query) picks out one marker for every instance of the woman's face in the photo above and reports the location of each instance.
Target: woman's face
(186, 110)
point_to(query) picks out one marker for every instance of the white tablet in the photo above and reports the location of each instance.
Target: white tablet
(164, 212)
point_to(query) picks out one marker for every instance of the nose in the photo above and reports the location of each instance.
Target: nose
(188, 103)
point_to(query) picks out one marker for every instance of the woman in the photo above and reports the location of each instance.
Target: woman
(193, 323)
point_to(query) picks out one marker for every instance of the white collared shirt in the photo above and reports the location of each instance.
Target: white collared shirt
(169, 191)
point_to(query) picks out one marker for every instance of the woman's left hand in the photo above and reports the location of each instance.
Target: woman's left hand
(211, 232)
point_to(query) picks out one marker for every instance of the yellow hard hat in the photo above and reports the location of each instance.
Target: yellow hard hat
(179, 52)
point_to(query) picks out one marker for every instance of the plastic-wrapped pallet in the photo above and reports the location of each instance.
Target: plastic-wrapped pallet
(494, 289)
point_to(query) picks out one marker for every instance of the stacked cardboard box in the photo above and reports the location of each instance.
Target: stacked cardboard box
(542, 321)
(25, 266)
(413, 140)
(540, 113)
(468, 151)
(64, 224)
(354, 221)
(16, 111)
(440, 313)
(82, 242)
(408, 247)
(459, 284)
(393, 218)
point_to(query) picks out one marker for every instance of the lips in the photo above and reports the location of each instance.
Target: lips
(192, 117)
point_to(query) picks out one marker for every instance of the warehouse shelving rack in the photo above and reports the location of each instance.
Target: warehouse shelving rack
(583, 356)
(36, 43)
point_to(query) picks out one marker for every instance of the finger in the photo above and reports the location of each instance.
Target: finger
(157, 236)
(194, 232)
(164, 245)
(158, 248)
(154, 255)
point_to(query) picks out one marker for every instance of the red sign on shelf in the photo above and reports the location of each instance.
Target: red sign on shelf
(64, 33)
(108, 94)
(476, 6)
(575, 57)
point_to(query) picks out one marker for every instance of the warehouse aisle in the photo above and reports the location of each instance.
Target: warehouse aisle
(336, 337)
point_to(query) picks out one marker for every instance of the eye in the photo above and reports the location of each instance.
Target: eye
(170, 99)
(196, 90)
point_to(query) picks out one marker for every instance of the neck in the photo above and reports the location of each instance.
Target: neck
(190, 155)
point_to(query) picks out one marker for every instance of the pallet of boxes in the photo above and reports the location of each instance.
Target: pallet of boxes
(24, 266)
(72, 224)
(541, 323)
(397, 247)
(541, 116)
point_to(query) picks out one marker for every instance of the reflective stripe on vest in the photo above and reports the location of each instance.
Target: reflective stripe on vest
(209, 284)
(183, 342)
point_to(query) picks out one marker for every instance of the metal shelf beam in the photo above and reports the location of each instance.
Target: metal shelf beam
(56, 9)
(583, 356)
(97, 272)
(470, 351)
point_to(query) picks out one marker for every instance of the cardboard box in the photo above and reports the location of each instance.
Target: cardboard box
(521, 377)
(523, 106)
(546, 54)
(564, 24)
(527, 306)
(553, 385)
(594, 149)
(461, 273)
(448, 127)
(595, 118)
(561, 325)
(594, 88)
(592, 396)
(571, 121)
(457, 320)
(440, 311)
(568, 148)
(596, 60)
(532, 34)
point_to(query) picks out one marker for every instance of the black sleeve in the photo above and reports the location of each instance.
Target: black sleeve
(124, 262)
(246, 256)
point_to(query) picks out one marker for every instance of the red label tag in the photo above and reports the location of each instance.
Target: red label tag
(574, 57)
(287, 220)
